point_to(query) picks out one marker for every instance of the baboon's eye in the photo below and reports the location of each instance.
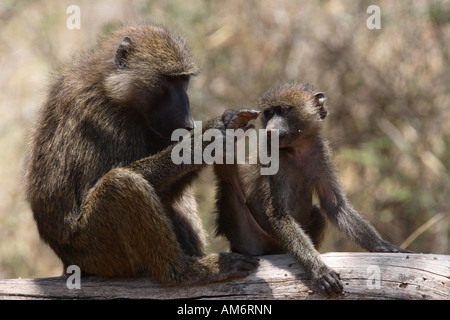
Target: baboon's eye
(183, 79)
(284, 109)
(268, 113)
(161, 91)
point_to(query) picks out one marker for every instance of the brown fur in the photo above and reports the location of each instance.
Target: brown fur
(103, 189)
(275, 213)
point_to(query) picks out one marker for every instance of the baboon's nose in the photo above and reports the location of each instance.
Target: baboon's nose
(189, 124)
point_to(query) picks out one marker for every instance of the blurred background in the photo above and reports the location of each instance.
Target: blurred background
(388, 97)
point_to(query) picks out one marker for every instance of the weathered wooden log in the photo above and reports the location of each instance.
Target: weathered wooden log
(365, 276)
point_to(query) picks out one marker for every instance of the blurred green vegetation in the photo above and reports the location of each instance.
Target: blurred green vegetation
(388, 92)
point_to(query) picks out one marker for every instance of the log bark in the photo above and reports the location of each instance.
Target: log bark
(365, 276)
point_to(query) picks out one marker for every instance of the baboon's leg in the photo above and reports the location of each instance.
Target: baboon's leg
(124, 225)
(315, 228)
(128, 233)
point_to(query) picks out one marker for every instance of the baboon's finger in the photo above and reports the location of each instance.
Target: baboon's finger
(241, 118)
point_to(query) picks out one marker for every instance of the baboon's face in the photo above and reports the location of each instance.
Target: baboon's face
(167, 107)
(294, 112)
(151, 75)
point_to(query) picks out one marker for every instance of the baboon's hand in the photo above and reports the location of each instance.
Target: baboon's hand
(329, 283)
(387, 247)
(233, 119)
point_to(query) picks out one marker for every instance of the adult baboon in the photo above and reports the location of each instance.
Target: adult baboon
(103, 189)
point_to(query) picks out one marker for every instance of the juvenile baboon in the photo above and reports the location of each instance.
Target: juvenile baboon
(275, 213)
(99, 177)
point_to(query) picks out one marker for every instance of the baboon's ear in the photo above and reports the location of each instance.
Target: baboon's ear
(320, 98)
(122, 52)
